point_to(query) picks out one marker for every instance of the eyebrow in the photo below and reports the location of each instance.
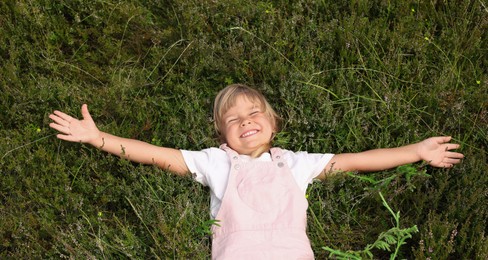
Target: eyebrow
(258, 105)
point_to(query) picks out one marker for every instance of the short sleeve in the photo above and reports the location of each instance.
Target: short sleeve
(209, 167)
(306, 166)
(197, 162)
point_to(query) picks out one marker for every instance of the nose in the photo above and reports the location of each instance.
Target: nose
(245, 122)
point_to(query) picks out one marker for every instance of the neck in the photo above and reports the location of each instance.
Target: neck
(262, 149)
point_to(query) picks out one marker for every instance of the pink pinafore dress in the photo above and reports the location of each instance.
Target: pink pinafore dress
(263, 212)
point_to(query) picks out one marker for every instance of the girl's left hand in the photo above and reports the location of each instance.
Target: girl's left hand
(437, 152)
(72, 129)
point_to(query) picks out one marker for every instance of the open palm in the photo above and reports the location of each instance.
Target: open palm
(437, 152)
(72, 129)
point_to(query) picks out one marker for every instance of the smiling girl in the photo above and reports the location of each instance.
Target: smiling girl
(257, 192)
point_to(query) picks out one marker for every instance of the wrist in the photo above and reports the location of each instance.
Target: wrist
(418, 151)
(98, 141)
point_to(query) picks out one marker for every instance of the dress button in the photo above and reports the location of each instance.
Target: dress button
(280, 164)
(278, 157)
(237, 166)
(235, 157)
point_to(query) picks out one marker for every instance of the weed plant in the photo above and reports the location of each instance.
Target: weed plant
(346, 76)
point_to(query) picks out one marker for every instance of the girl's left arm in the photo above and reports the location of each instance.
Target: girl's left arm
(435, 150)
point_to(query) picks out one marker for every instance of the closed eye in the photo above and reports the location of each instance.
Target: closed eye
(255, 112)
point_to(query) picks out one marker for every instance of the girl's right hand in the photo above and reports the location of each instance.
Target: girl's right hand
(75, 130)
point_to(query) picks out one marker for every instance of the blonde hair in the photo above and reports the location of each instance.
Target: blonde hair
(227, 97)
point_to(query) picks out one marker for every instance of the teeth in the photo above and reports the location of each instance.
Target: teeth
(249, 133)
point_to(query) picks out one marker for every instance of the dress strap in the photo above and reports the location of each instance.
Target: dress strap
(277, 157)
(230, 152)
(276, 154)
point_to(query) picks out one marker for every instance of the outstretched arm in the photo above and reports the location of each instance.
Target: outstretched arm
(435, 150)
(85, 131)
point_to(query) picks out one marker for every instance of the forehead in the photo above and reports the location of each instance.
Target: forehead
(241, 101)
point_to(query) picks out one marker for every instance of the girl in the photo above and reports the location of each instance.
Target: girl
(257, 192)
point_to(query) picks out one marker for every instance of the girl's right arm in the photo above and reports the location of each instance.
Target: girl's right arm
(85, 131)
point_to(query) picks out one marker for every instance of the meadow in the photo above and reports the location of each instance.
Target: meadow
(345, 76)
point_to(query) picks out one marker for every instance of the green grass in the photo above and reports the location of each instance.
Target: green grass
(345, 77)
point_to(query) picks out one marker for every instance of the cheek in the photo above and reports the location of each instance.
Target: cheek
(227, 132)
(223, 133)
(270, 124)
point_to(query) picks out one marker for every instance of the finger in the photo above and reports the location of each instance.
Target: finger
(447, 165)
(85, 113)
(60, 128)
(452, 146)
(64, 116)
(442, 139)
(451, 161)
(59, 120)
(454, 155)
(68, 138)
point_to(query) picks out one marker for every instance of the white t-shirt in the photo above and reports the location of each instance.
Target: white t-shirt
(211, 167)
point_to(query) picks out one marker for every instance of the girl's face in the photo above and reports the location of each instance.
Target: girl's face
(246, 127)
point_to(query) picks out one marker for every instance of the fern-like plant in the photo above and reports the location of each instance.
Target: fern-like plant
(395, 236)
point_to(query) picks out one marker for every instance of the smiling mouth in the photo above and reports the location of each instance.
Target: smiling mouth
(249, 133)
